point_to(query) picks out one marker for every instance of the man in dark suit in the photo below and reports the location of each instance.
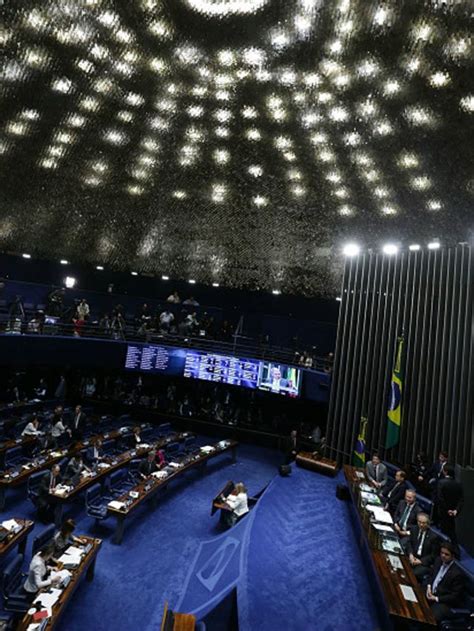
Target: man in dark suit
(392, 494)
(449, 502)
(376, 472)
(446, 584)
(422, 547)
(48, 483)
(95, 453)
(405, 515)
(293, 447)
(148, 466)
(74, 468)
(78, 423)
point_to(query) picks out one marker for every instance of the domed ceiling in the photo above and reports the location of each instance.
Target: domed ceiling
(234, 141)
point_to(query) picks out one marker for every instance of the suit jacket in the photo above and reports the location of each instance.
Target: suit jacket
(382, 474)
(430, 548)
(451, 589)
(73, 468)
(81, 424)
(411, 518)
(450, 495)
(394, 493)
(43, 488)
(435, 472)
(147, 468)
(92, 457)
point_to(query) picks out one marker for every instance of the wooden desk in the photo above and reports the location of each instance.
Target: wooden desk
(114, 462)
(19, 538)
(173, 621)
(86, 568)
(388, 578)
(217, 503)
(308, 460)
(6, 445)
(149, 488)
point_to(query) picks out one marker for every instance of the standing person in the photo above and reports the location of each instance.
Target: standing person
(449, 502)
(95, 453)
(174, 298)
(83, 309)
(293, 447)
(376, 472)
(48, 483)
(238, 502)
(78, 423)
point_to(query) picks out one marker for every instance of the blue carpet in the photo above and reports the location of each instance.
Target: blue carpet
(304, 570)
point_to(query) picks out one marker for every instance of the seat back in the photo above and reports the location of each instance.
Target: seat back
(172, 448)
(108, 445)
(189, 441)
(12, 575)
(117, 477)
(32, 485)
(146, 434)
(13, 455)
(164, 428)
(40, 540)
(93, 493)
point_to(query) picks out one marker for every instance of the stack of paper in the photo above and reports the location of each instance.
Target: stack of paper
(370, 498)
(48, 599)
(72, 556)
(115, 504)
(11, 525)
(207, 449)
(62, 489)
(383, 528)
(366, 487)
(161, 475)
(380, 514)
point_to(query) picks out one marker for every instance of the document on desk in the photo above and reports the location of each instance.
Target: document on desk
(395, 562)
(380, 514)
(48, 599)
(370, 498)
(72, 556)
(360, 475)
(383, 528)
(366, 488)
(11, 525)
(116, 505)
(408, 593)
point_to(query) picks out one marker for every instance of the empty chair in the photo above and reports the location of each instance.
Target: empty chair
(172, 449)
(190, 444)
(116, 483)
(125, 419)
(13, 578)
(146, 434)
(40, 540)
(14, 457)
(96, 505)
(133, 474)
(32, 486)
(108, 446)
(164, 429)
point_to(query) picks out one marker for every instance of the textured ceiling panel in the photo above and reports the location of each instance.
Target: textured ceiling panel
(238, 141)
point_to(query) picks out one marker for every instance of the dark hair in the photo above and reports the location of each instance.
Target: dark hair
(449, 470)
(450, 547)
(376, 455)
(47, 550)
(444, 453)
(402, 473)
(68, 526)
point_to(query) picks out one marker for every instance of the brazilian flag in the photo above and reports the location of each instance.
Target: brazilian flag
(394, 414)
(359, 450)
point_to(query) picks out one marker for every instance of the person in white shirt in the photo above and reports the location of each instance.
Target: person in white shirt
(58, 430)
(238, 502)
(31, 428)
(166, 319)
(83, 310)
(38, 573)
(174, 298)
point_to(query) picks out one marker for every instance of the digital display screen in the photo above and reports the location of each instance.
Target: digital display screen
(234, 371)
(270, 377)
(280, 379)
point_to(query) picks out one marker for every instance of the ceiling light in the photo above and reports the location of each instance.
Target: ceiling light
(134, 273)
(191, 281)
(99, 267)
(434, 245)
(390, 249)
(64, 262)
(414, 247)
(164, 277)
(276, 292)
(70, 282)
(338, 299)
(215, 284)
(351, 249)
(26, 256)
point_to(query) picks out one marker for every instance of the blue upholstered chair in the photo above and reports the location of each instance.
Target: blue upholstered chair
(462, 616)
(40, 540)
(12, 582)
(96, 505)
(164, 429)
(32, 486)
(172, 449)
(116, 484)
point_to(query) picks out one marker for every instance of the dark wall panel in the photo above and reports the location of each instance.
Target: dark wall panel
(428, 296)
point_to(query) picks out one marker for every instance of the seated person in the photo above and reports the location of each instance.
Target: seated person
(446, 584)
(95, 453)
(48, 483)
(64, 538)
(32, 428)
(161, 464)
(75, 467)
(38, 572)
(238, 502)
(393, 493)
(376, 472)
(136, 438)
(148, 465)
(422, 547)
(405, 515)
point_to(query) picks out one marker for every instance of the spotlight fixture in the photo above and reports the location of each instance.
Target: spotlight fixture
(70, 282)
(414, 247)
(390, 249)
(351, 249)
(100, 268)
(165, 277)
(434, 245)
(276, 292)
(338, 299)
(64, 262)
(191, 281)
(26, 256)
(134, 273)
(215, 284)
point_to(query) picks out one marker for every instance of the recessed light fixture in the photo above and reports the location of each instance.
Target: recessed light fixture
(100, 268)
(64, 262)
(434, 245)
(191, 281)
(338, 299)
(134, 273)
(390, 248)
(276, 292)
(70, 282)
(351, 249)
(414, 247)
(165, 277)
(26, 256)
(215, 284)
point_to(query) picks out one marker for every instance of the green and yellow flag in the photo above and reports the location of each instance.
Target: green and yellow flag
(394, 414)
(359, 450)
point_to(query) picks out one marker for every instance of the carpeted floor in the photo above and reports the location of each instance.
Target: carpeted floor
(293, 559)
